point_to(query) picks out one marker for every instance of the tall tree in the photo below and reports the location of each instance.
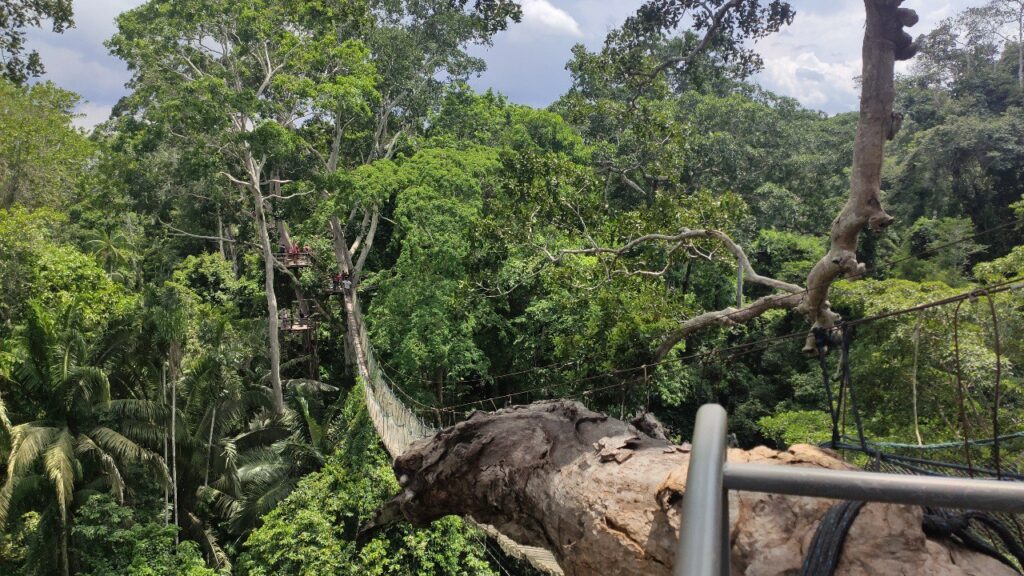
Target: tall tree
(1005, 20)
(418, 48)
(234, 81)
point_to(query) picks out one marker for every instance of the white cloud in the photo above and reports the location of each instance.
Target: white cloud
(540, 13)
(815, 60)
(814, 82)
(89, 114)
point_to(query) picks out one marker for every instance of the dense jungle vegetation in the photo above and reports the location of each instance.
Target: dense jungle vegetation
(157, 414)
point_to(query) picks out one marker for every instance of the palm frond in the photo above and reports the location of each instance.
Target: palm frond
(36, 336)
(21, 495)
(211, 547)
(258, 463)
(224, 504)
(313, 427)
(59, 461)
(6, 493)
(263, 436)
(5, 420)
(136, 409)
(123, 449)
(306, 387)
(28, 442)
(266, 498)
(144, 432)
(115, 341)
(85, 445)
(88, 382)
(120, 446)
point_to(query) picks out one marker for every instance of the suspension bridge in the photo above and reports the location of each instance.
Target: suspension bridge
(1000, 535)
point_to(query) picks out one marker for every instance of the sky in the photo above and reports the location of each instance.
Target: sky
(815, 60)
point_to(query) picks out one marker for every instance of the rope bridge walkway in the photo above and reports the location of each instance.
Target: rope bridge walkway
(399, 427)
(999, 535)
(996, 534)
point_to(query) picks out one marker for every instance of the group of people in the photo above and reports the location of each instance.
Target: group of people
(295, 250)
(341, 282)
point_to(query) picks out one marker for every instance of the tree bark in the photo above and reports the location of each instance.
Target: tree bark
(209, 447)
(604, 498)
(220, 235)
(913, 379)
(343, 260)
(273, 327)
(163, 397)
(885, 42)
(174, 452)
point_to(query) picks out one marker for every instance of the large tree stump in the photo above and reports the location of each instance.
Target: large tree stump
(604, 498)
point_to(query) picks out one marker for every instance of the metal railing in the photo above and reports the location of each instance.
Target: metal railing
(704, 529)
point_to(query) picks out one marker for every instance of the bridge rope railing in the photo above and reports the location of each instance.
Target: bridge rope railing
(399, 427)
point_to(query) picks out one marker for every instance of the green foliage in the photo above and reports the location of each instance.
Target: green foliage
(67, 431)
(42, 156)
(210, 277)
(785, 255)
(35, 267)
(486, 235)
(427, 314)
(797, 427)
(314, 530)
(935, 250)
(110, 540)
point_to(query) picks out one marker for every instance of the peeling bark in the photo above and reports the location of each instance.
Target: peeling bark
(604, 498)
(885, 42)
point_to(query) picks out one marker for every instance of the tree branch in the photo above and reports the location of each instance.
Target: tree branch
(884, 43)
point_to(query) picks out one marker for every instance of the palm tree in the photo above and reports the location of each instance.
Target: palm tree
(68, 440)
(119, 250)
(266, 461)
(234, 456)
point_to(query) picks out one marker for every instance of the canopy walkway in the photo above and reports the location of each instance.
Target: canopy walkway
(399, 427)
(999, 533)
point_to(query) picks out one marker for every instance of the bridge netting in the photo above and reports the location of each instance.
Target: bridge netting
(399, 426)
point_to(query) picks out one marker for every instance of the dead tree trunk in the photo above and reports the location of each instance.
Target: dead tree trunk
(604, 498)
(885, 42)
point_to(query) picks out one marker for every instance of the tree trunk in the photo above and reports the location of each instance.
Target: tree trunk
(163, 397)
(884, 43)
(209, 447)
(273, 327)
(220, 235)
(604, 498)
(174, 453)
(233, 254)
(65, 563)
(913, 379)
(349, 300)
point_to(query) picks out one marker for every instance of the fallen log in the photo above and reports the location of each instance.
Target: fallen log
(604, 498)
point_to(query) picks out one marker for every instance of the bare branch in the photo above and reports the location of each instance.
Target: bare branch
(236, 180)
(741, 257)
(287, 196)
